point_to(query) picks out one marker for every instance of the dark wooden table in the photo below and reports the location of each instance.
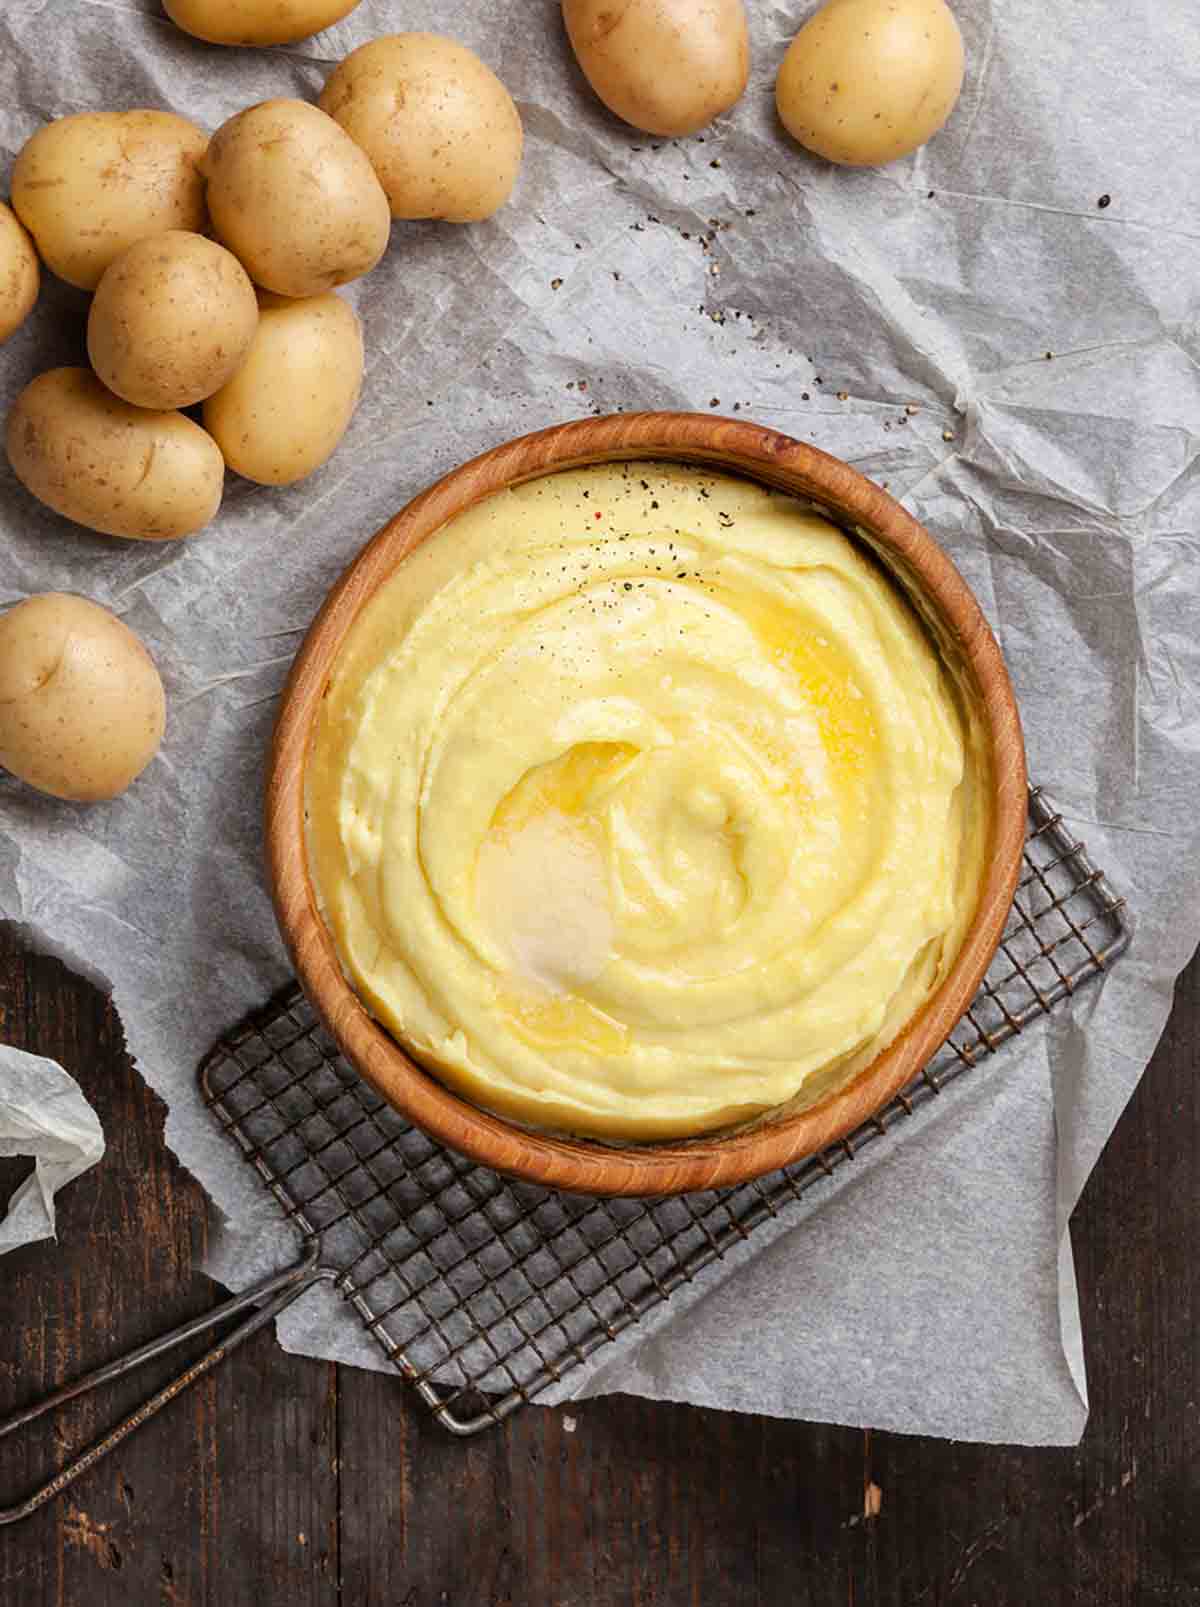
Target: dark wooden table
(303, 1484)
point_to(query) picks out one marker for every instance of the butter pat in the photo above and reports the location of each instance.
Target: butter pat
(541, 890)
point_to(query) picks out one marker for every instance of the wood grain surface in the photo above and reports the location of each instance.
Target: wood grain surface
(290, 1483)
(941, 595)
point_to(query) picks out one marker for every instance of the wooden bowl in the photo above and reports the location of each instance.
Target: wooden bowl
(580, 1165)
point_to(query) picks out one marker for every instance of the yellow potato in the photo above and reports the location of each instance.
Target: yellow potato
(117, 469)
(171, 320)
(256, 22)
(81, 703)
(20, 275)
(866, 81)
(295, 199)
(441, 130)
(666, 66)
(287, 407)
(87, 187)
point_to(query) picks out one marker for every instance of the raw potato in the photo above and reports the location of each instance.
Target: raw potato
(285, 410)
(256, 22)
(171, 320)
(20, 275)
(866, 81)
(295, 199)
(117, 469)
(87, 187)
(666, 66)
(441, 130)
(81, 703)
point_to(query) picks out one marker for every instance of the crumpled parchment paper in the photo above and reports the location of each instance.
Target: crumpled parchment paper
(43, 1113)
(1026, 283)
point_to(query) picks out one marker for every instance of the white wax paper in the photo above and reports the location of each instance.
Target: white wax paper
(43, 1114)
(1049, 344)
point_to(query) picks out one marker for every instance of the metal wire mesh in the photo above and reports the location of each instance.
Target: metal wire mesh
(483, 1291)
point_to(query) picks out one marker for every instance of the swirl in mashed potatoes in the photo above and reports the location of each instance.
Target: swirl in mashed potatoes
(641, 803)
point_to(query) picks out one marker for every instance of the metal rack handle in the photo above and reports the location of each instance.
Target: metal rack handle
(270, 1297)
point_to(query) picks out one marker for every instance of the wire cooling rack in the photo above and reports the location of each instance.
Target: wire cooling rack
(483, 1291)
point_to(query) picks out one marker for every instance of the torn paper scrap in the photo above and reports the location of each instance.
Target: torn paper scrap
(42, 1113)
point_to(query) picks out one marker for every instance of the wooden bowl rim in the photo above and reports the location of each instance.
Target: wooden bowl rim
(578, 1165)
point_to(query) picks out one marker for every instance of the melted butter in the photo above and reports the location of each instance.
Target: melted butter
(567, 1019)
(567, 783)
(845, 719)
(825, 675)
